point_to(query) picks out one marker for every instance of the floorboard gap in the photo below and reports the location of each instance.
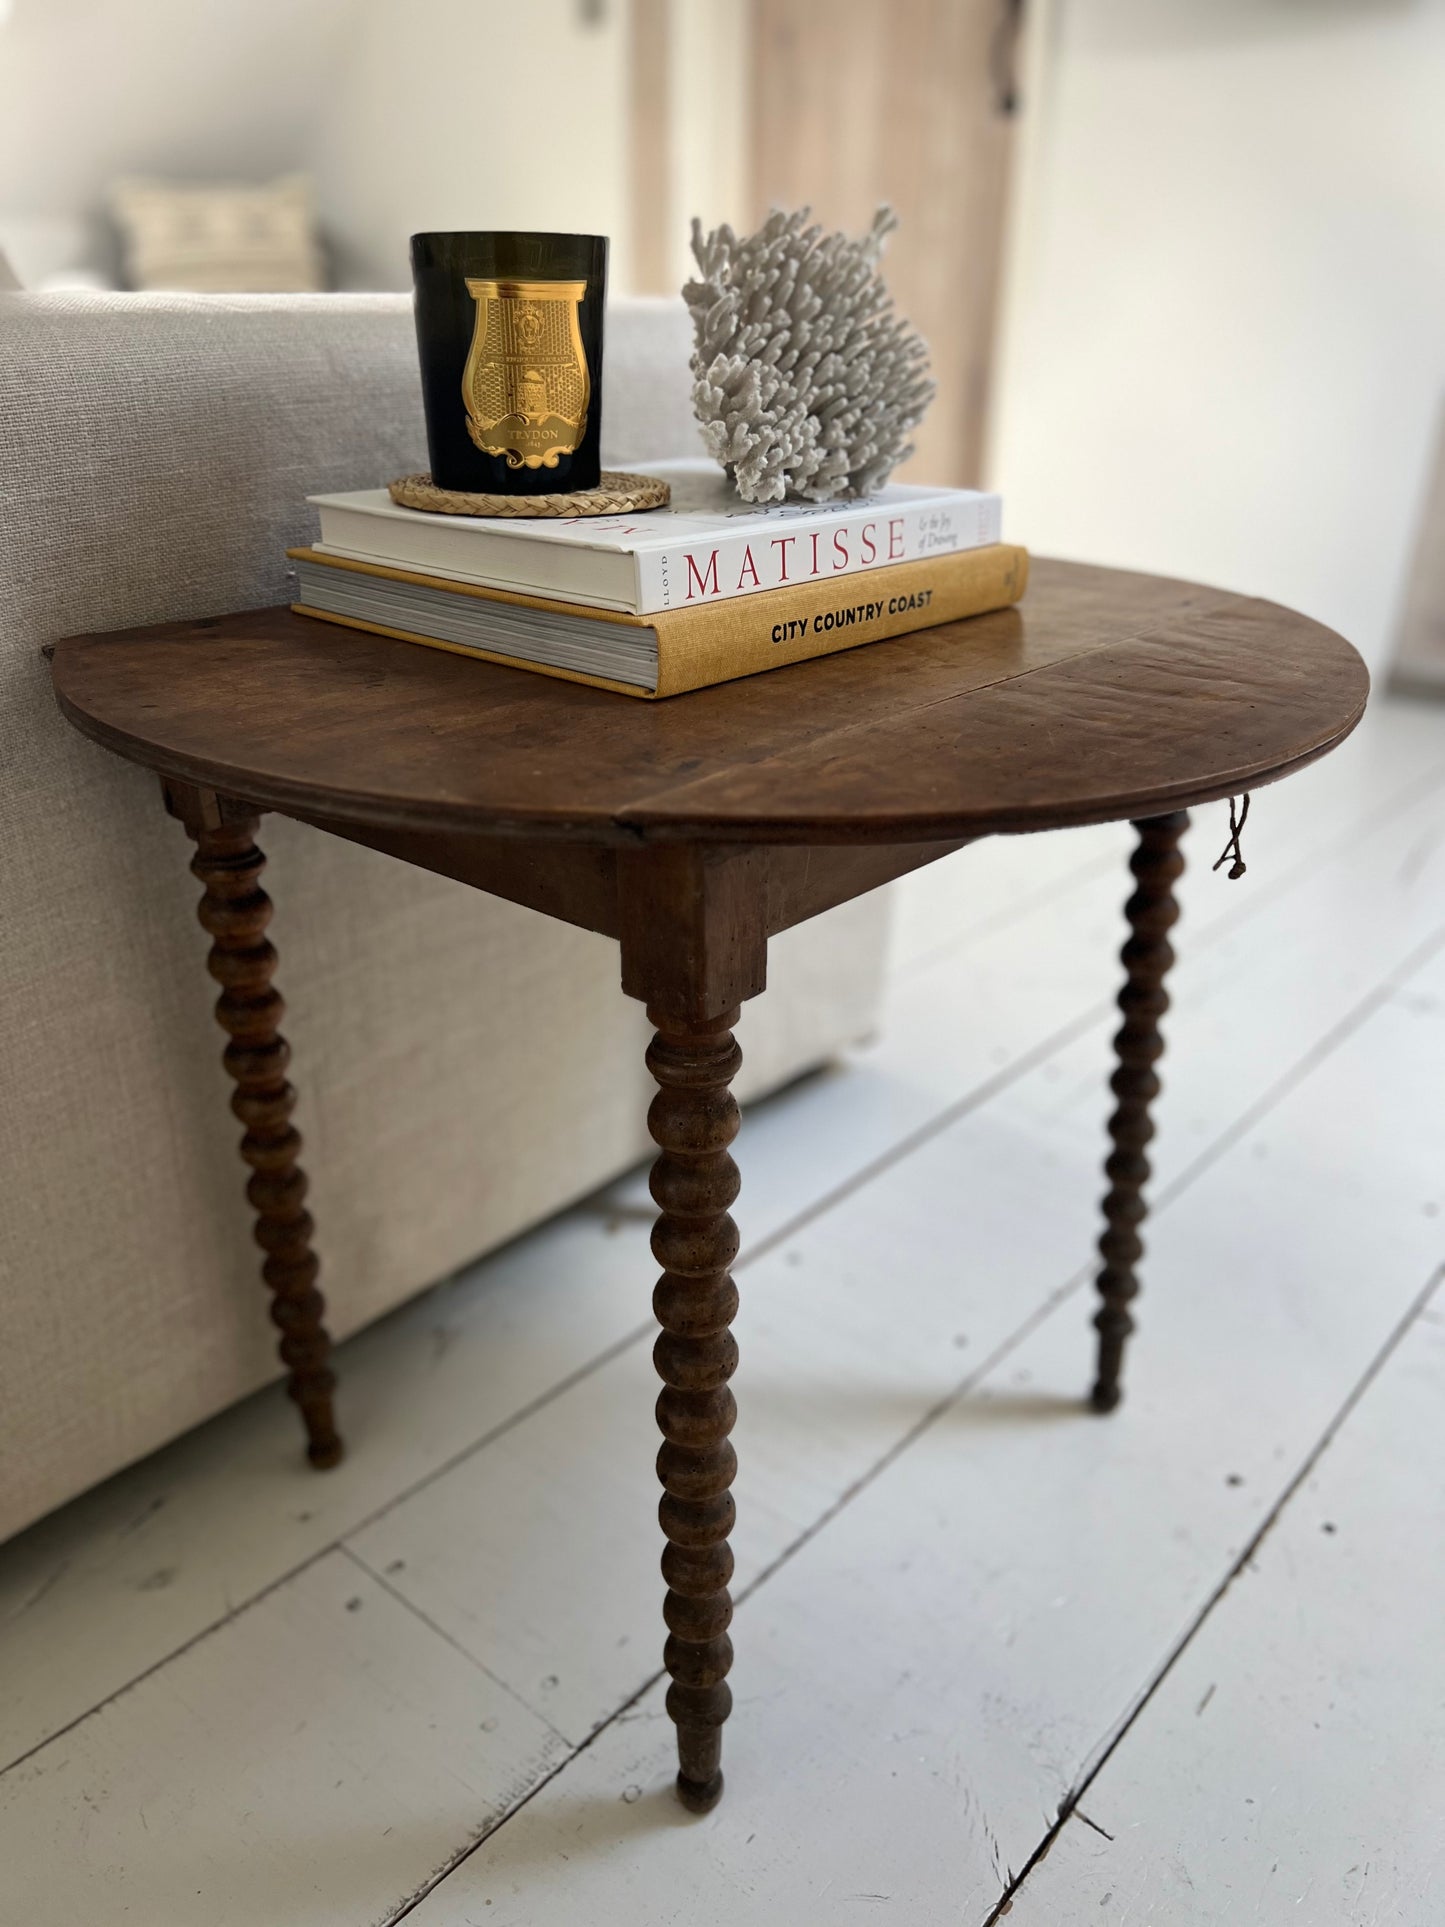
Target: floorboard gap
(1069, 1807)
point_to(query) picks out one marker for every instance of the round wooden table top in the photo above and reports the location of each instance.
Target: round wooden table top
(1103, 695)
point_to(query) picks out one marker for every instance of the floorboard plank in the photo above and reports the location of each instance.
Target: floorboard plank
(317, 1759)
(1292, 1764)
(107, 1588)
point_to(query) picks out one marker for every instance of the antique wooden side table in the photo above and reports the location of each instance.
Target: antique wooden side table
(691, 831)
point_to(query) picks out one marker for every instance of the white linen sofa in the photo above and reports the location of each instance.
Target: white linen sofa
(465, 1067)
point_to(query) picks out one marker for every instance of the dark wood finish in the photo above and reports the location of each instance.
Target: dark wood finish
(1105, 695)
(694, 938)
(693, 1120)
(692, 831)
(235, 912)
(578, 883)
(1157, 864)
(858, 103)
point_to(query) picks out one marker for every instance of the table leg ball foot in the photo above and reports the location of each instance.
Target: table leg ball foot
(700, 1796)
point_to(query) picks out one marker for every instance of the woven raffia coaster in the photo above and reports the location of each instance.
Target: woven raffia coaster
(616, 494)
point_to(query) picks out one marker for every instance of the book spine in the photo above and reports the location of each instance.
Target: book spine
(742, 636)
(692, 575)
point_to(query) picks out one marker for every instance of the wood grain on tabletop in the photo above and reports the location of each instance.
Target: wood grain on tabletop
(1105, 694)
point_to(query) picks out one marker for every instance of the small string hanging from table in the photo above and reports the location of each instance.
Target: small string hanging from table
(1232, 847)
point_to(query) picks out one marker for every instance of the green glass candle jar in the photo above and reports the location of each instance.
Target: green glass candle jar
(509, 330)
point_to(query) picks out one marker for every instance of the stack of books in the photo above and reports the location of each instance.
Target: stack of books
(705, 590)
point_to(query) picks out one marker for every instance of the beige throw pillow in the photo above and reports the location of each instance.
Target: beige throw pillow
(220, 239)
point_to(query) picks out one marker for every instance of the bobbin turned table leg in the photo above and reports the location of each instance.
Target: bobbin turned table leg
(693, 932)
(694, 1119)
(1151, 910)
(235, 911)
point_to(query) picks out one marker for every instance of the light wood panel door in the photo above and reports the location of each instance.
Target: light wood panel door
(908, 102)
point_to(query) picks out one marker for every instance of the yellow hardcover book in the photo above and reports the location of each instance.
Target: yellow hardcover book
(674, 650)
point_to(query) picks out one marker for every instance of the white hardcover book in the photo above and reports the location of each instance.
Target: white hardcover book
(706, 546)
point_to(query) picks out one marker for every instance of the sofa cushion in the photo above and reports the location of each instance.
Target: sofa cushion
(225, 238)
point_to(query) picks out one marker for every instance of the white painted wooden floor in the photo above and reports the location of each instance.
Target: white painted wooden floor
(1181, 1665)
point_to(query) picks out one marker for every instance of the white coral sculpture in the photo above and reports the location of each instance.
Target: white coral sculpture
(807, 380)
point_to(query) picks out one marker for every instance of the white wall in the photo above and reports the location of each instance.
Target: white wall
(1224, 333)
(473, 114)
(532, 131)
(194, 88)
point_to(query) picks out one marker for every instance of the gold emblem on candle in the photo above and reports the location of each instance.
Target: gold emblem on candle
(526, 384)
